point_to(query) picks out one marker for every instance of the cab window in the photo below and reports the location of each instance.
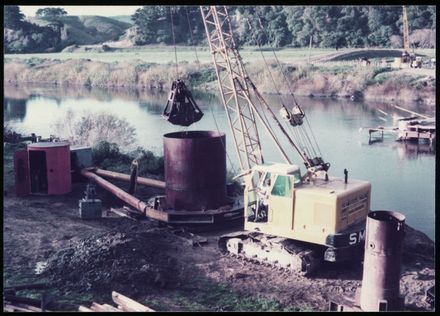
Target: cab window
(283, 186)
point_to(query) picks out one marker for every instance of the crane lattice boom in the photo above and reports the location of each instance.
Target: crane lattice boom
(239, 96)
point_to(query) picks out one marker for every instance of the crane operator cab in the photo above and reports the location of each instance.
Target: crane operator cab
(267, 183)
(326, 211)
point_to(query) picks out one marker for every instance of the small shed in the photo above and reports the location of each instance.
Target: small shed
(43, 168)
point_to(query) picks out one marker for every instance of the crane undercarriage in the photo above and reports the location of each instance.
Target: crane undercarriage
(272, 250)
(293, 255)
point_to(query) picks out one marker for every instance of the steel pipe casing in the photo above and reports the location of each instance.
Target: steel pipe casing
(195, 170)
(383, 252)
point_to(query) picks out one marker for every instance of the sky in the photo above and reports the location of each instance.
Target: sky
(103, 10)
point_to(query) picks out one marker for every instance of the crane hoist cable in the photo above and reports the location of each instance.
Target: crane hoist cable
(181, 108)
(289, 86)
(210, 103)
(264, 59)
(174, 43)
(271, 76)
(299, 138)
(191, 35)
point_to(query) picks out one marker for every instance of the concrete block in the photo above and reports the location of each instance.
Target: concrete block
(90, 209)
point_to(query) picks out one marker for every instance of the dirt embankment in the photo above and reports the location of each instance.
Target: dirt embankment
(148, 262)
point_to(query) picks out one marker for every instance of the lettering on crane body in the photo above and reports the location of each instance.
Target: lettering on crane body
(356, 237)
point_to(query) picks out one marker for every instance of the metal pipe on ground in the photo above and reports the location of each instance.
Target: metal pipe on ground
(125, 177)
(380, 289)
(124, 196)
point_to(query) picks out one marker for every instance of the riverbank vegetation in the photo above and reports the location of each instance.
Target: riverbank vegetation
(327, 75)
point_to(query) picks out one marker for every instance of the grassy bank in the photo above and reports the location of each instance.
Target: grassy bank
(340, 78)
(162, 54)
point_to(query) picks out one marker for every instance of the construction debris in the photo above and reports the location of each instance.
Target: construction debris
(124, 304)
(126, 212)
(195, 240)
(130, 260)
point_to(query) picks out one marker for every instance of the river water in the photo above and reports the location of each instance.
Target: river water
(402, 175)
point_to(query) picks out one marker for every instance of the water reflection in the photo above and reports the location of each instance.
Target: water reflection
(405, 149)
(413, 150)
(14, 109)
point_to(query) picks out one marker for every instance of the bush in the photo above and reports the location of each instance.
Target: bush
(104, 150)
(107, 155)
(90, 128)
(148, 162)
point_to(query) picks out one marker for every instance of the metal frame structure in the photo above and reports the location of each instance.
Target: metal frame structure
(238, 94)
(229, 70)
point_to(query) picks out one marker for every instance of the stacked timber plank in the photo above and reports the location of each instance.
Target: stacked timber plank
(19, 307)
(14, 303)
(124, 304)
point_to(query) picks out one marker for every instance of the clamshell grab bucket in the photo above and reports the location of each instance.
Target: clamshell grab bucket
(181, 108)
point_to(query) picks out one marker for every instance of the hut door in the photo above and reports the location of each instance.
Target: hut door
(21, 173)
(38, 171)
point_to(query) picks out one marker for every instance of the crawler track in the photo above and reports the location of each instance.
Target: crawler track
(280, 253)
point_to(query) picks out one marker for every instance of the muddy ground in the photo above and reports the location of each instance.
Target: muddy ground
(87, 259)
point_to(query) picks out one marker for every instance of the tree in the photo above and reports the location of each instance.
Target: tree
(13, 18)
(152, 23)
(277, 28)
(50, 12)
(432, 10)
(352, 28)
(295, 23)
(384, 22)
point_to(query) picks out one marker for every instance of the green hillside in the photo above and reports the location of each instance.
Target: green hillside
(123, 18)
(85, 30)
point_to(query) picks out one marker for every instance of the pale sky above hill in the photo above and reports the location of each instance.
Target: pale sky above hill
(103, 10)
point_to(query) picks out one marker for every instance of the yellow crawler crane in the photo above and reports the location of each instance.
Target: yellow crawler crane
(292, 220)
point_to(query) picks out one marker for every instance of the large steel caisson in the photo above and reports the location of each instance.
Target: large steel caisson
(195, 170)
(380, 289)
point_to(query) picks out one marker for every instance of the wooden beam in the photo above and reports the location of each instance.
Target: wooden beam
(99, 308)
(129, 305)
(122, 213)
(16, 308)
(8, 308)
(111, 308)
(84, 309)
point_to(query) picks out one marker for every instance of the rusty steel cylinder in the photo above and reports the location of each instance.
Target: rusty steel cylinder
(195, 170)
(380, 289)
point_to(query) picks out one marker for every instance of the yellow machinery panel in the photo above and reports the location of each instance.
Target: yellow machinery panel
(311, 211)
